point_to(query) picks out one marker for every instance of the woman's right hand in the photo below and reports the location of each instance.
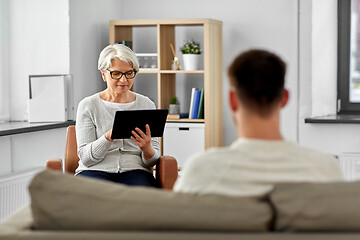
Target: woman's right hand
(108, 135)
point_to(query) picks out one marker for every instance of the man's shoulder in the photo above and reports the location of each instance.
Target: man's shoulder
(322, 161)
(310, 153)
(325, 163)
(200, 171)
(212, 155)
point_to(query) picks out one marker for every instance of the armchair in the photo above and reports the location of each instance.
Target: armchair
(166, 167)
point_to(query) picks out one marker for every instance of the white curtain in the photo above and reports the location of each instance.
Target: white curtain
(4, 61)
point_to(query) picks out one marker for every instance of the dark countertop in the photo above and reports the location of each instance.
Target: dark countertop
(17, 127)
(341, 118)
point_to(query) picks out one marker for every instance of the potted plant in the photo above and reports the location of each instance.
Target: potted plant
(191, 55)
(174, 107)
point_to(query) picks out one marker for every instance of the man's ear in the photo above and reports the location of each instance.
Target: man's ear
(284, 98)
(233, 100)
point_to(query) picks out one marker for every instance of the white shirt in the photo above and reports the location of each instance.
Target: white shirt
(250, 167)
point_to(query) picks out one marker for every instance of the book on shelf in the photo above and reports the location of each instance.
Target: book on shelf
(191, 101)
(196, 104)
(201, 106)
(177, 116)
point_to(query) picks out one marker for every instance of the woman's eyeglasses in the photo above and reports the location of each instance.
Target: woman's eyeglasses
(116, 75)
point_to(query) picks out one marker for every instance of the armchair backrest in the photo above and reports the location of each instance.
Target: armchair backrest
(71, 157)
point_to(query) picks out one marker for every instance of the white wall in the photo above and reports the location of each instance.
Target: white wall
(5, 161)
(32, 150)
(41, 34)
(39, 44)
(22, 152)
(324, 57)
(4, 60)
(89, 34)
(36, 41)
(303, 32)
(318, 79)
(271, 25)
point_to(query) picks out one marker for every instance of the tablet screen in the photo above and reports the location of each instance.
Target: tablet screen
(127, 121)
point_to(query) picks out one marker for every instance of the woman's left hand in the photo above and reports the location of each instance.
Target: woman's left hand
(144, 141)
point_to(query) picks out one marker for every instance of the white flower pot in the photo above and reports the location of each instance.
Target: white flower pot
(191, 61)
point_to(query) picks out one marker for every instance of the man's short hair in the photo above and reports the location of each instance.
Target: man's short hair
(258, 77)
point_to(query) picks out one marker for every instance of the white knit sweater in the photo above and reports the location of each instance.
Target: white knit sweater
(250, 167)
(94, 118)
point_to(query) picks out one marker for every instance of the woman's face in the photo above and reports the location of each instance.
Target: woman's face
(122, 85)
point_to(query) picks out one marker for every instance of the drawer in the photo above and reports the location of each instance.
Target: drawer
(181, 140)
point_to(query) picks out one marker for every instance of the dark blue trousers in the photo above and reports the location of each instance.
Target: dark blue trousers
(131, 178)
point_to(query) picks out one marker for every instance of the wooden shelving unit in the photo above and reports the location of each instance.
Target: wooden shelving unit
(120, 30)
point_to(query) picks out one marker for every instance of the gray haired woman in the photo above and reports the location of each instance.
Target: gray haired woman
(127, 161)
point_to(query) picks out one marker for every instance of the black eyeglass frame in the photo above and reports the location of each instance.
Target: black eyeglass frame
(122, 74)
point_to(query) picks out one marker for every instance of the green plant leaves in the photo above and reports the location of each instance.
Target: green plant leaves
(191, 47)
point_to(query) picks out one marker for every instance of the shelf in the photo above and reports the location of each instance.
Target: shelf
(169, 82)
(146, 54)
(183, 71)
(187, 120)
(156, 22)
(148, 71)
(155, 70)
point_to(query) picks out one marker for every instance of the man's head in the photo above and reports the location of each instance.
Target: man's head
(257, 77)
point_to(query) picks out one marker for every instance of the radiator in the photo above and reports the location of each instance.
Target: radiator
(14, 192)
(350, 166)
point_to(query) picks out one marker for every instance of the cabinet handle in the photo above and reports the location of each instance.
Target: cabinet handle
(184, 129)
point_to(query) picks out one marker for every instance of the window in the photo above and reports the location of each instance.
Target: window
(348, 56)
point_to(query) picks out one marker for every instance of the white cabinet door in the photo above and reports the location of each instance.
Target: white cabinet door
(181, 140)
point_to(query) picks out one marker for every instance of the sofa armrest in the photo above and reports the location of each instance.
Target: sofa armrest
(167, 171)
(54, 164)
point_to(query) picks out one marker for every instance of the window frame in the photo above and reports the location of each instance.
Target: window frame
(344, 106)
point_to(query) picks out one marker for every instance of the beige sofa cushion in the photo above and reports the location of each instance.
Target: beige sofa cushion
(317, 206)
(62, 202)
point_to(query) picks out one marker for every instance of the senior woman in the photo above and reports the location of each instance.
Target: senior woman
(127, 161)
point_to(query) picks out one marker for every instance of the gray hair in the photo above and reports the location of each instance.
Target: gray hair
(120, 51)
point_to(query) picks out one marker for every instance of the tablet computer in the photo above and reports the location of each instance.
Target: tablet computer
(127, 121)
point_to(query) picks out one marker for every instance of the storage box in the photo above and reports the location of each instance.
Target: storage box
(181, 140)
(50, 98)
(147, 60)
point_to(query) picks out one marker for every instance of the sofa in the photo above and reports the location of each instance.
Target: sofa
(67, 207)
